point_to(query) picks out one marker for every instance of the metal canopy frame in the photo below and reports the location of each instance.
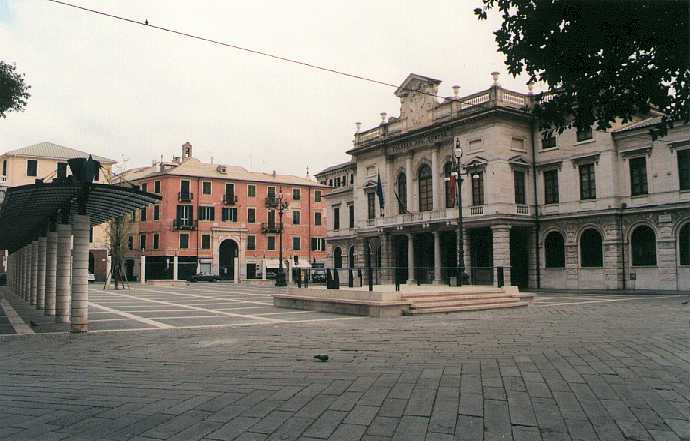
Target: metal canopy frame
(28, 210)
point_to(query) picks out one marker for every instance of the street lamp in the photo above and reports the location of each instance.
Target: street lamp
(282, 205)
(459, 172)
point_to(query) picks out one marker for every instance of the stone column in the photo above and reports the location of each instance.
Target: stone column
(532, 256)
(434, 181)
(41, 273)
(142, 269)
(176, 263)
(410, 187)
(387, 270)
(466, 251)
(437, 257)
(80, 274)
(62, 275)
(410, 259)
(34, 273)
(51, 271)
(501, 248)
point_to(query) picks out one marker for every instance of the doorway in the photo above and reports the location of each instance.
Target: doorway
(519, 257)
(481, 256)
(226, 259)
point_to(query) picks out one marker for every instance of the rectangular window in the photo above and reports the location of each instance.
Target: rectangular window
(271, 192)
(205, 241)
(584, 133)
(230, 193)
(142, 242)
(31, 167)
(60, 173)
(296, 217)
(551, 187)
(184, 213)
(296, 194)
(318, 244)
(156, 212)
(228, 214)
(206, 187)
(336, 218)
(130, 242)
(477, 188)
(638, 176)
(330, 182)
(251, 190)
(90, 234)
(548, 140)
(156, 241)
(184, 188)
(519, 180)
(371, 205)
(251, 215)
(207, 213)
(271, 243)
(143, 214)
(251, 242)
(317, 218)
(683, 169)
(588, 186)
(133, 216)
(296, 243)
(184, 241)
(145, 188)
(4, 167)
(157, 187)
(271, 217)
(317, 195)
(351, 209)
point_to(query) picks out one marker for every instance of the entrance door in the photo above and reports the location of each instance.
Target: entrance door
(519, 257)
(226, 259)
(400, 251)
(482, 256)
(424, 257)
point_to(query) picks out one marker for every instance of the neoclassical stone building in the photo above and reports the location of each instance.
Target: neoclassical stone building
(586, 209)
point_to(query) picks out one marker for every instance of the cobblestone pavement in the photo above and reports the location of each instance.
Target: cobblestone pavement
(565, 368)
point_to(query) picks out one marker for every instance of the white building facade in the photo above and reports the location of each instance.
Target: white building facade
(586, 209)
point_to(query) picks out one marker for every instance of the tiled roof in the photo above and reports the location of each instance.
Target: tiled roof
(335, 167)
(194, 168)
(647, 122)
(51, 150)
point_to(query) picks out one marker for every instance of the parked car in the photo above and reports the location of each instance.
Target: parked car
(92, 278)
(204, 277)
(318, 275)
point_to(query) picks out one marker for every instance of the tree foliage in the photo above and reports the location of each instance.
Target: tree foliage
(600, 59)
(14, 92)
(118, 235)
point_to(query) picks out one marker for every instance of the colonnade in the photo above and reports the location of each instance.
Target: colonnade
(51, 272)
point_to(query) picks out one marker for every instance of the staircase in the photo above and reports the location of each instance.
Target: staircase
(443, 302)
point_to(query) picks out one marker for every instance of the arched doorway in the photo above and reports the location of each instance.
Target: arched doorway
(351, 257)
(226, 259)
(337, 258)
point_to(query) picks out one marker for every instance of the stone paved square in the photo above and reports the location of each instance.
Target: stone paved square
(219, 362)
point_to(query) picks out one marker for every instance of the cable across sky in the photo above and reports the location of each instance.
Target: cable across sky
(146, 24)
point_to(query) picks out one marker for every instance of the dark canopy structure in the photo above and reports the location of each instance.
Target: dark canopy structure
(28, 209)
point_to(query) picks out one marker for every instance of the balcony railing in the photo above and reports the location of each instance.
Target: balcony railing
(229, 199)
(271, 202)
(185, 196)
(522, 209)
(476, 210)
(270, 227)
(184, 224)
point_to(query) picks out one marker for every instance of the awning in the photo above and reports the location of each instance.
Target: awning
(27, 210)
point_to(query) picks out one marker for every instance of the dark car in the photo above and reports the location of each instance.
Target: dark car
(204, 277)
(318, 275)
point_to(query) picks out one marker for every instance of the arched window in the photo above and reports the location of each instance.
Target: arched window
(351, 257)
(449, 184)
(643, 246)
(337, 258)
(554, 250)
(683, 245)
(591, 251)
(425, 189)
(402, 193)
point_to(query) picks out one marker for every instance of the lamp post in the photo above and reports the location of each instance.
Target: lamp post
(459, 172)
(282, 205)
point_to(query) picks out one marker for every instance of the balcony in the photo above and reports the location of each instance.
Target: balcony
(184, 224)
(476, 210)
(522, 209)
(271, 202)
(185, 196)
(229, 199)
(270, 227)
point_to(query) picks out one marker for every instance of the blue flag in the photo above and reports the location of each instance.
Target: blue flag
(379, 193)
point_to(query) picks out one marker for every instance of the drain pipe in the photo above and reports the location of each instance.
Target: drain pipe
(536, 203)
(622, 233)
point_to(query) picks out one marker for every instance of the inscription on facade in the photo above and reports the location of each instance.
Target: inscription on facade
(405, 146)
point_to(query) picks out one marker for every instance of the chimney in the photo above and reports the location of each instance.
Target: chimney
(161, 167)
(383, 117)
(186, 151)
(359, 126)
(274, 173)
(456, 91)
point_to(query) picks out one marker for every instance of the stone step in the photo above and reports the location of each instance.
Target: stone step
(462, 302)
(482, 307)
(454, 296)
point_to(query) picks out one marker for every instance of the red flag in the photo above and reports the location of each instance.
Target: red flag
(452, 183)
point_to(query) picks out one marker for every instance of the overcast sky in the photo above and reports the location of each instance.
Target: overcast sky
(124, 91)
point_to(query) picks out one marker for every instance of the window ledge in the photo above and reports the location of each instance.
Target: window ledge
(549, 149)
(639, 196)
(586, 141)
(643, 266)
